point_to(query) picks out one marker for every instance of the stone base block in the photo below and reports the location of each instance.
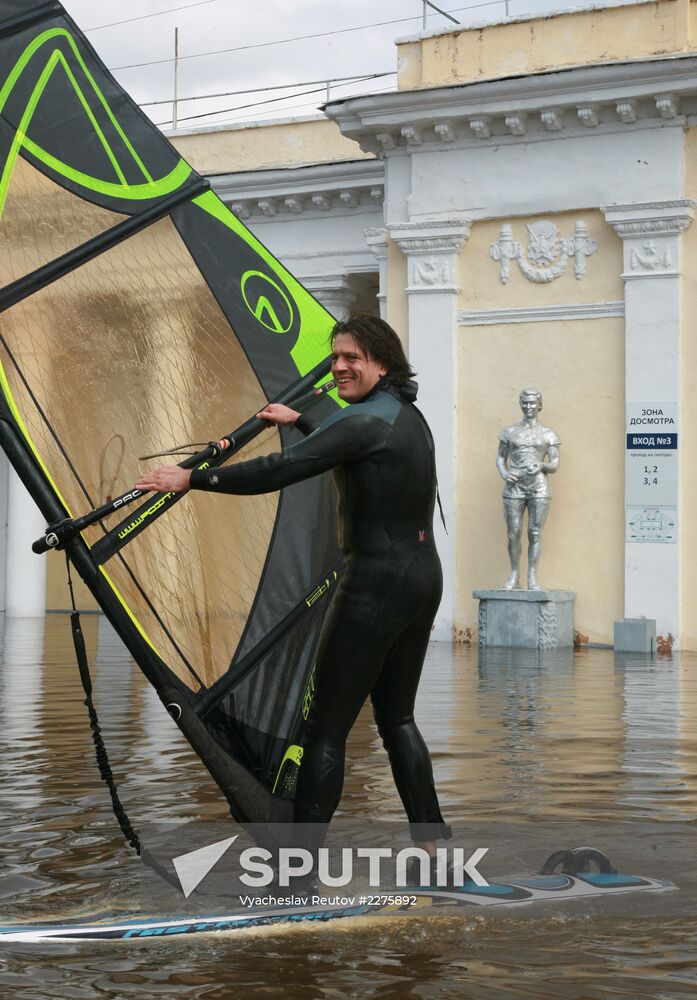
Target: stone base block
(635, 635)
(526, 619)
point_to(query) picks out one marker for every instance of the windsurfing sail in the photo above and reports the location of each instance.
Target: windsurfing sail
(136, 312)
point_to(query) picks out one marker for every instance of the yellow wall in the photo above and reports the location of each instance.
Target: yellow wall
(397, 304)
(482, 287)
(261, 147)
(611, 34)
(579, 368)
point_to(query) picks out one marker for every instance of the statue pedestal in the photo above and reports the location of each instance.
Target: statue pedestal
(526, 619)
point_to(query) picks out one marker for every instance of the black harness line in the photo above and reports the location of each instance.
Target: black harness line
(100, 750)
(101, 754)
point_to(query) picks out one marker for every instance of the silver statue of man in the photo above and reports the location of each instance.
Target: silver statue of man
(528, 453)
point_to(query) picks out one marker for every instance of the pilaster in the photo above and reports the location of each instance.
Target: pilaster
(653, 275)
(432, 248)
(376, 239)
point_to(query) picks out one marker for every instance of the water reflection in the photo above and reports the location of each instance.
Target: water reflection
(113, 678)
(21, 694)
(652, 706)
(497, 661)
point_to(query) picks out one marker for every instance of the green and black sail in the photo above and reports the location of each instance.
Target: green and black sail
(137, 311)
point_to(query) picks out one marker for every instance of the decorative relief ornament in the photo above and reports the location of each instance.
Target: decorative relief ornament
(412, 134)
(482, 623)
(547, 626)
(431, 271)
(627, 111)
(552, 119)
(293, 205)
(444, 131)
(386, 140)
(241, 209)
(652, 258)
(667, 106)
(588, 116)
(481, 127)
(267, 206)
(547, 254)
(516, 124)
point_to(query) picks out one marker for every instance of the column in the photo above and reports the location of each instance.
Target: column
(652, 237)
(376, 240)
(25, 573)
(432, 249)
(334, 291)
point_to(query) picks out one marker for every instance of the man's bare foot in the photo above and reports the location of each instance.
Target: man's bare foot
(532, 582)
(511, 582)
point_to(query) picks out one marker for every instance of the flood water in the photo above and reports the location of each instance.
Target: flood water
(532, 752)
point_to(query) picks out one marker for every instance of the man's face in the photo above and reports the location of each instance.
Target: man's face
(355, 373)
(530, 405)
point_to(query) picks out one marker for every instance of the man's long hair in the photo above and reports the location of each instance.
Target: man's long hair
(379, 341)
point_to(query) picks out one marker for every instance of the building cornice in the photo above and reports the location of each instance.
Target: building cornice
(654, 218)
(219, 128)
(339, 187)
(618, 96)
(426, 236)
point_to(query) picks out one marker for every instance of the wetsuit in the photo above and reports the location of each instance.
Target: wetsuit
(377, 631)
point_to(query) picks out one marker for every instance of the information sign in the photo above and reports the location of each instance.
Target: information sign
(651, 469)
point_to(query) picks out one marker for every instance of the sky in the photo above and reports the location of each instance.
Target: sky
(268, 49)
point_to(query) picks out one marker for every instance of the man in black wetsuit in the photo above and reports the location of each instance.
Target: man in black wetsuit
(379, 625)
